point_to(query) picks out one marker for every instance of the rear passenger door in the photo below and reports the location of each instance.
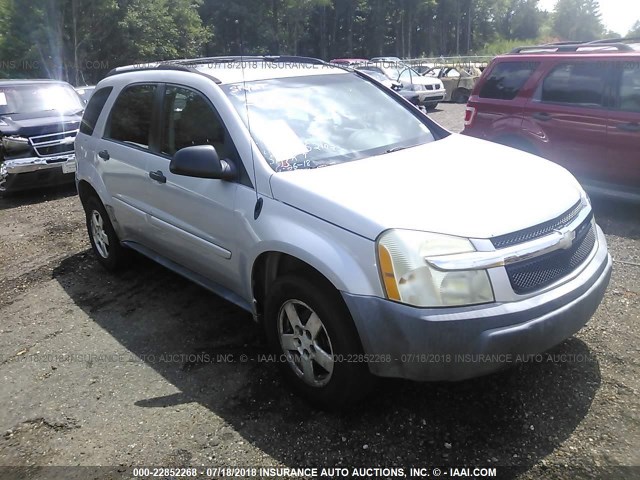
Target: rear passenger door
(122, 154)
(193, 217)
(624, 127)
(568, 116)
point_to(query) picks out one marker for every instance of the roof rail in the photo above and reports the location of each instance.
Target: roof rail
(250, 58)
(149, 66)
(573, 48)
(616, 40)
(189, 64)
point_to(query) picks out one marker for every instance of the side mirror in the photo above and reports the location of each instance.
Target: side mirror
(201, 161)
(397, 86)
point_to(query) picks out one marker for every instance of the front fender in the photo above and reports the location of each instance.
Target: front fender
(346, 259)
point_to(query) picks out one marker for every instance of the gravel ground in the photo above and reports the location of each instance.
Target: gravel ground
(144, 368)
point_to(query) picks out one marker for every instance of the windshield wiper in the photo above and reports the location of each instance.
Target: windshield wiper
(397, 149)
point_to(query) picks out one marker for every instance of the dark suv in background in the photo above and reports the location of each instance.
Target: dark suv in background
(39, 120)
(575, 104)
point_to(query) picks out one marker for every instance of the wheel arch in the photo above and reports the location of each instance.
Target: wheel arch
(86, 190)
(271, 264)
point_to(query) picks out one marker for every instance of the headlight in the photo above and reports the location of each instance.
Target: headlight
(407, 277)
(417, 88)
(13, 144)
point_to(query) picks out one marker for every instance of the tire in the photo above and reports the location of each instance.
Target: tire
(431, 106)
(307, 352)
(3, 182)
(104, 241)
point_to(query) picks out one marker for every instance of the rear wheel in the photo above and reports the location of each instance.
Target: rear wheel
(309, 327)
(104, 241)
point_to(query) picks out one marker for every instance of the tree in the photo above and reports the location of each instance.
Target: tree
(635, 30)
(160, 30)
(578, 20)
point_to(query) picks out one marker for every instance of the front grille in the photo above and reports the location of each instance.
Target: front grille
(539, 230)
(54, 143)
(429, 87)
(537, 273)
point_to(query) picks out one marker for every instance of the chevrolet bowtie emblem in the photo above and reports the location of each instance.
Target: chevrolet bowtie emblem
(567, 238)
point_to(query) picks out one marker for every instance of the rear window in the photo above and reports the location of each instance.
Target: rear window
(580, 84)
(93, 110)
(506, 79)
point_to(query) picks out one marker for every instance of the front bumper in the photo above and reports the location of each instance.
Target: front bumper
(458, 343)
(33, 172)
(429, 97)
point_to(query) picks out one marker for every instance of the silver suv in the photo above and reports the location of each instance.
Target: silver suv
(328, 207)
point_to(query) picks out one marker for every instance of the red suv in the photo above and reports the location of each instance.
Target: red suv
(577, 105)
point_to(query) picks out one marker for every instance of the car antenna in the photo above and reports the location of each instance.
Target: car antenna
(258, 208)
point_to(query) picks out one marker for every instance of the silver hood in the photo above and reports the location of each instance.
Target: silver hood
(458, 186)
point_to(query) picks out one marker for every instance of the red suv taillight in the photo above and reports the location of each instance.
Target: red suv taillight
(469, 116)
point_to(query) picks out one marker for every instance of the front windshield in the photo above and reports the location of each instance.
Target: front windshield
(35, 98)
(320, 120)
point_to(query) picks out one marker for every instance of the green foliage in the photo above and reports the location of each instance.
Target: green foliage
(578, 20)
(80, 40)
(635, 30)
(501, 46)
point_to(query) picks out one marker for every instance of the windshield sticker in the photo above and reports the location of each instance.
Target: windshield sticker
(280, 139)
(241, 88)
(3, 99)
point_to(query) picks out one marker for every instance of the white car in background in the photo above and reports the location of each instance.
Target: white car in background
(430, 90)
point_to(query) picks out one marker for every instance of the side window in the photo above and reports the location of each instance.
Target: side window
(189, 119)
(130, 118)
(630, 87)
(506, 79)
(580, 84)
(93, 110)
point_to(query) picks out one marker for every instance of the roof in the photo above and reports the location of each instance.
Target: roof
(226, 70)
(251, 71)
(16, 82)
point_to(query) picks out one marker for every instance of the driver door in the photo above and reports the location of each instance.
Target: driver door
(193, 217)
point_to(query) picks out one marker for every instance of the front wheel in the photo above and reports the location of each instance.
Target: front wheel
(309, 327)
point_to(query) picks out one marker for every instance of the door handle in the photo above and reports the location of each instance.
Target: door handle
(542, 116)
(158, 176)
(104, 155)
(629, 127)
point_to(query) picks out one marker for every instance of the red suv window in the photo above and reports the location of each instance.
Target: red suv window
(580, 84)
(506, 79)
(630, 87)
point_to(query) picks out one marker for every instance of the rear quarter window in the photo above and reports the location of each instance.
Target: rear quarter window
(93, 110)
(506, 79)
